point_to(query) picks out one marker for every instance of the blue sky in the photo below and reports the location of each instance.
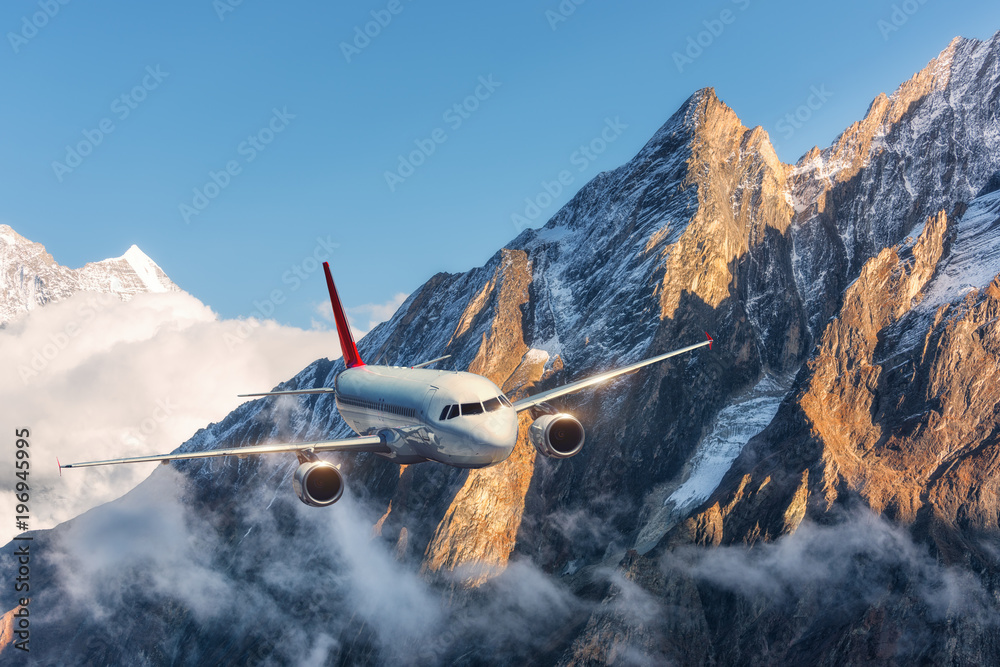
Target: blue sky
(308, 128)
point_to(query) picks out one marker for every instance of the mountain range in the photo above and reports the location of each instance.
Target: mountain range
(30, 277)
(821, 488)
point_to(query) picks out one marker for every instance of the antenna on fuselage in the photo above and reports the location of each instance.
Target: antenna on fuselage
(432, 361)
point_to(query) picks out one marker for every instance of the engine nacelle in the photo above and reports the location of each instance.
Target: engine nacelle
(557, 436)
(318, 483)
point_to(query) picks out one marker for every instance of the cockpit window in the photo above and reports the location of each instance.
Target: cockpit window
(472, 409)
(454, 412)
(505, 401)
(492, 405)
(444, 413)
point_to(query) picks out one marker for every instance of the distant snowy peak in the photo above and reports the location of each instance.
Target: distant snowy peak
(134, 264)
(30, 276)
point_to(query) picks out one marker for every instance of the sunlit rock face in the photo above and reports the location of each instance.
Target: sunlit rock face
(854, 299)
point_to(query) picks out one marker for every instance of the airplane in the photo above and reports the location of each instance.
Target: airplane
(415, 414)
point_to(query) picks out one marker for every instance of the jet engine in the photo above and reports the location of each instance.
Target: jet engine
(318, 483)
(557, 436)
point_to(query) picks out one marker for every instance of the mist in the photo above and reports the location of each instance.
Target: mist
(279, 582)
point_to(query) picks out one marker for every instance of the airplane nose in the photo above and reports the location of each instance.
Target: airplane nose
(486, 437)
(497, 430)
(497, 436)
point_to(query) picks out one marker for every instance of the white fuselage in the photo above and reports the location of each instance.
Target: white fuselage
(413, 408)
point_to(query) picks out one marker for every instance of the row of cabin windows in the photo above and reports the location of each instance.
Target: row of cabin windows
(377, 405)
(465, 409)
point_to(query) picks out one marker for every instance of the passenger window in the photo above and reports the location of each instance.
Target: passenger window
(492, 405)
(472, 409)
(444, 413)
(454, 412)
(505, 401)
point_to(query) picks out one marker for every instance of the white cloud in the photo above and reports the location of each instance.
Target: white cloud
(325, 312)
(160, 545)
(860, 561)
(150, 531)
(93, 378)
(376, 313)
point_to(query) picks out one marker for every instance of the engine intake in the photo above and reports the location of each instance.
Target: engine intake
(557, 436)
(318, 483)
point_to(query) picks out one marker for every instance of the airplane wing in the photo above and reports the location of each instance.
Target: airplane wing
(371, 443)
(532, 401)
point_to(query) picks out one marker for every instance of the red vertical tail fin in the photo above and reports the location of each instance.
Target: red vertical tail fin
(351, 357)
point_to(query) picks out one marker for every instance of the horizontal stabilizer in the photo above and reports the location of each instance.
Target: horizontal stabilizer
(290, 392)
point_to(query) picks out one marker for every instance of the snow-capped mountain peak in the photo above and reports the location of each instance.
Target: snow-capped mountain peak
(146, 269)
(30, 277)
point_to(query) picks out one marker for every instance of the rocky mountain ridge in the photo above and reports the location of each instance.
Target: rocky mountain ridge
(928, 147)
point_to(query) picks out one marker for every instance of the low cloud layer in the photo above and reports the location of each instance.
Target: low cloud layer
(859, 560)
(283, 583)
(296, 585)
(149, 537)
(843, 588)
(93, 378)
